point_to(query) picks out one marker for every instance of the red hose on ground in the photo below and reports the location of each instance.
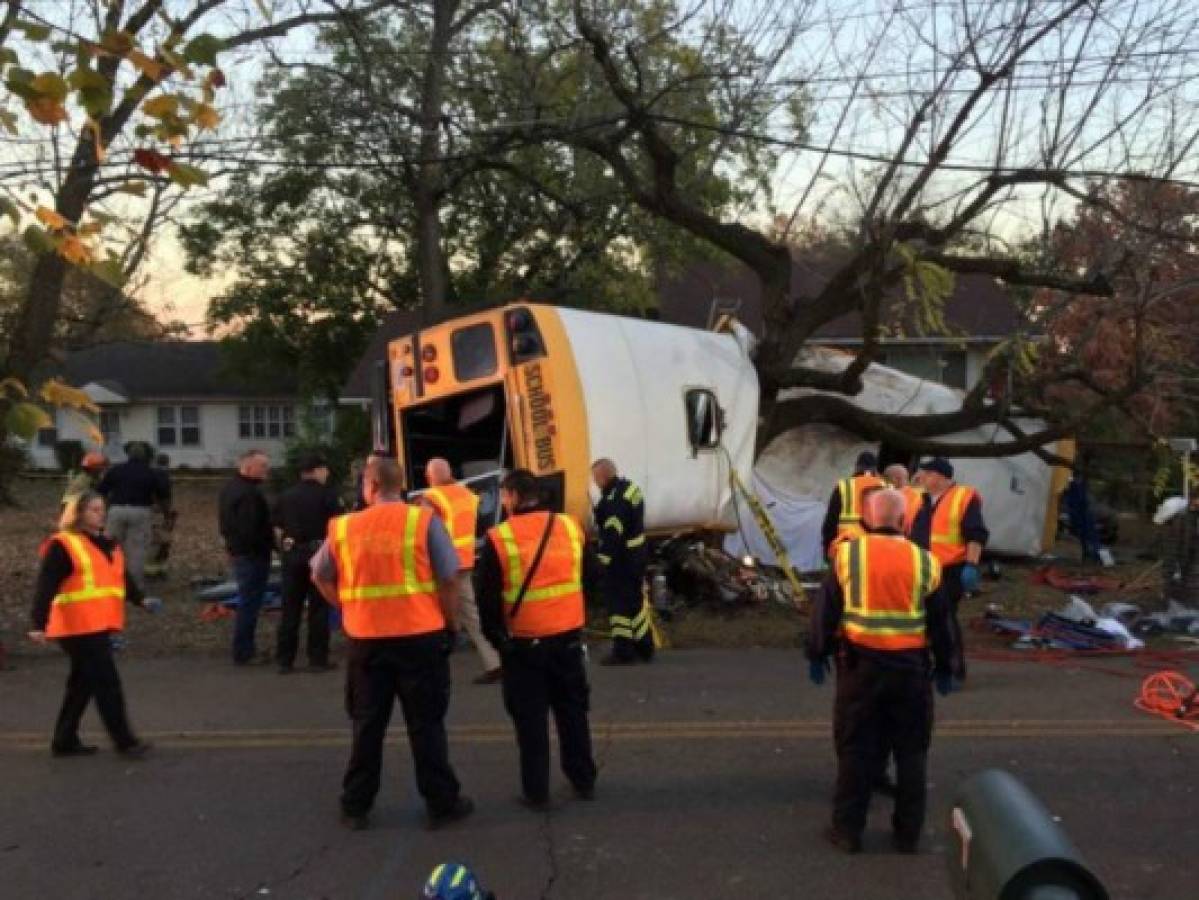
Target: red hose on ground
(1172, 696)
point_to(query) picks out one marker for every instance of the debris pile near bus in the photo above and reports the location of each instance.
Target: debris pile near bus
(688, 572)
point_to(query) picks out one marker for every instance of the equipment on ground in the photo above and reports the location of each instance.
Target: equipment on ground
(1008, 846)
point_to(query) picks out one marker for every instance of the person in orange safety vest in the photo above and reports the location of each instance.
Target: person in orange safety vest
(879, 614)
(79, 601)
(533, 571)
(458, 506)
(951, 526)
(843, 518)
(392, 570)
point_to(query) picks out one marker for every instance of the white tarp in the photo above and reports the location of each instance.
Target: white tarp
(803, 465)
(797, 520)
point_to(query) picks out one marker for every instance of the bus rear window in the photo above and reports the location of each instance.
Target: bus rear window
(474, 353)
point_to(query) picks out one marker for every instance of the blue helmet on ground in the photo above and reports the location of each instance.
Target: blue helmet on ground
(453, 881)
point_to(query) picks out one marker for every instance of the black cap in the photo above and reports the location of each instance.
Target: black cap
(938, 464)
(310, 462)
(867, 462)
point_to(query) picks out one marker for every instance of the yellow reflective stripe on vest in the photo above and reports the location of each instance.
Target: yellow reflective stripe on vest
(408, 587)
(514, 568)
(920, 584)
(849, 512)
(635, 542)
(958, 498)
(516, 573)
(83, 565)
(614, 522)
(467, 541)
(341, 545)
(633, 494)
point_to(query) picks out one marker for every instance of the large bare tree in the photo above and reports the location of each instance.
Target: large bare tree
(938, 136)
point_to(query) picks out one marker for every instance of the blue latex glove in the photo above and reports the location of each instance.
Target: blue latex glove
(816, 670)
(944, 683)
(970, 578)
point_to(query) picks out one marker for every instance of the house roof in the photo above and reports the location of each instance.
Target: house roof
(152, 370)
(979, 308)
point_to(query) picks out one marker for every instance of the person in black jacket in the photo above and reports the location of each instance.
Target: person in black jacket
(620, 518)
(77, 603)
(301, 518)
(132, 489)
(245, 524)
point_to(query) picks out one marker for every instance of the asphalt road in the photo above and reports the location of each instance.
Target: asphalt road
(715, 777)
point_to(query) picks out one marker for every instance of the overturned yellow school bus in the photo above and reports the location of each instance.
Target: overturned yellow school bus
(552, 389)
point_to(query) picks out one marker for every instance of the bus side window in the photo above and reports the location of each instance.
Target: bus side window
(703, 420)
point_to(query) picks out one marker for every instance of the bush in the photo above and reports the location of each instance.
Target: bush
(69, 454)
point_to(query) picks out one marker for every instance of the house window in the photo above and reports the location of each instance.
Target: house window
(266, 421)
(110, 425)
(946, 367)
(47, 437)
(703, 419)
(178, 426)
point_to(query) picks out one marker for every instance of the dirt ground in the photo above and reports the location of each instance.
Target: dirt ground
(197, 555)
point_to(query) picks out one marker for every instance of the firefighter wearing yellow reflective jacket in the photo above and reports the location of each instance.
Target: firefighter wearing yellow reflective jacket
(533, 571)
(879, 614)
(620, 518)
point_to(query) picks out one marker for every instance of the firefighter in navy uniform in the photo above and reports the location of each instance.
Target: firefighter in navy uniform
(879, 613)
(951, 525)
(620, 518)
(844, 516)
(532, 572)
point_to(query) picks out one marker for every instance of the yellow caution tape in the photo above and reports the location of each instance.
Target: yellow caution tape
(771, 534)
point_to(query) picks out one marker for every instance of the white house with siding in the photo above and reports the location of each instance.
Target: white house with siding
(179, 396)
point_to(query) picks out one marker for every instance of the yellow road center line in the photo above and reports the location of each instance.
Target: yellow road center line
(649, 731)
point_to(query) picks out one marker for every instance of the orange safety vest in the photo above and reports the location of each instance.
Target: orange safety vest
(946, 540)
(553, 602)
(92, 597)
(913, 498)
(458, 507)
(385, 581)
(884, 579)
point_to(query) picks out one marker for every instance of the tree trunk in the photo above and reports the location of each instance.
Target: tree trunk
(432, 268)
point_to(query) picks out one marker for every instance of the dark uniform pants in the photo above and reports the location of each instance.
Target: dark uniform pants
(951, 592)
(628, 614)
(93, 674)
(880, 709)
(417, 671)
(540, 677)
(298, 590)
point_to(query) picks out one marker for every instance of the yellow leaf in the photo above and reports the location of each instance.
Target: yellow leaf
(25, 419)
(56, 393)
(51, 219)
(74, 250)
(161, 107)
(46, 111)
(205, 117)
(151, 68)
(50, 85)
(14, 385)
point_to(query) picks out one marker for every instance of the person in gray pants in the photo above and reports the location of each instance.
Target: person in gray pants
(131, 489)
